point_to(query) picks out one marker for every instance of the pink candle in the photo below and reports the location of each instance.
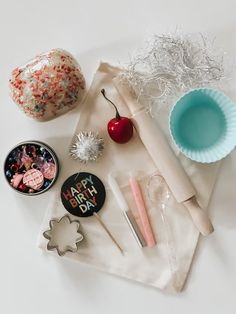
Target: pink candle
(138, 197)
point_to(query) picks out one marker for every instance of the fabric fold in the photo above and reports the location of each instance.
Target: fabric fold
(164, 266)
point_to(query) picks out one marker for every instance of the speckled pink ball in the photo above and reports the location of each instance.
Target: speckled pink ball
(48, 86)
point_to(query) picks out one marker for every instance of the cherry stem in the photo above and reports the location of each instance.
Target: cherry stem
(104, 95)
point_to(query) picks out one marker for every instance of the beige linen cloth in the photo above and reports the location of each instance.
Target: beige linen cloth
(164, 266)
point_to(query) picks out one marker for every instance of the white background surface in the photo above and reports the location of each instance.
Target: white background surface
(32, 282)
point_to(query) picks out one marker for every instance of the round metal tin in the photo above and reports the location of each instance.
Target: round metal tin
(14, 159)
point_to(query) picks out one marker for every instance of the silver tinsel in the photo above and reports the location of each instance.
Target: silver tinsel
(170, 65)
(87, 146)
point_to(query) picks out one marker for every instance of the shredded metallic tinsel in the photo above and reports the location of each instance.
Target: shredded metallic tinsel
(170, 65)
(87, 146)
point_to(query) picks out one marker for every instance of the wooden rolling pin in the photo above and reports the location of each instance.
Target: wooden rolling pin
(165, 159)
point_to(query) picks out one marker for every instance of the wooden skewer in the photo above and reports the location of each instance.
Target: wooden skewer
(108, 232)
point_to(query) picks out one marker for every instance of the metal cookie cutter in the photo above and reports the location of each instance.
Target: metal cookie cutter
(63, 235)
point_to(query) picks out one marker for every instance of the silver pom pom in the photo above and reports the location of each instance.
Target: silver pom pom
(88, 146)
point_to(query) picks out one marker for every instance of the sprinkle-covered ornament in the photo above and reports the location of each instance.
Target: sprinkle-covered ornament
(47, 86)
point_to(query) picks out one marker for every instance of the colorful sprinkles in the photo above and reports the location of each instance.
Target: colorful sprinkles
(31, 167)
(48, 86)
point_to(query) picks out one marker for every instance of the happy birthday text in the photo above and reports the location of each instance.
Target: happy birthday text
(82, 195)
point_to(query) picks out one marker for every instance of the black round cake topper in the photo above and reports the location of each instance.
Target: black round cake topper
(82, 194)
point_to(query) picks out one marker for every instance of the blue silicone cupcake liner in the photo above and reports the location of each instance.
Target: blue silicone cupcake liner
(203, 125)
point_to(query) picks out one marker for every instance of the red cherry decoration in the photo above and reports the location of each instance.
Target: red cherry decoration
(119, 128)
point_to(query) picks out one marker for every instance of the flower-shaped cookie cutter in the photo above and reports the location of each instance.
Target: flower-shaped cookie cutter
(63, 235)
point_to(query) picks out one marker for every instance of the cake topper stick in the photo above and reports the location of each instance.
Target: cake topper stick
(83, 194)
(99, 219)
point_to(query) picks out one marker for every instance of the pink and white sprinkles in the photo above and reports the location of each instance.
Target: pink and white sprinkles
(49, 170)
(48, 86)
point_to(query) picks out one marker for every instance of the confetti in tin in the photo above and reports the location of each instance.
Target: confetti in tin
(31, 167)
(49, 85)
